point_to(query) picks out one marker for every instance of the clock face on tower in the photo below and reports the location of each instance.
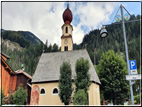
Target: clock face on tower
(66, 41)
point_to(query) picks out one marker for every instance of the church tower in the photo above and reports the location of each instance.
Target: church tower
(66, 38)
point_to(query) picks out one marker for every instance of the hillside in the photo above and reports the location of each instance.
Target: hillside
(23, 48)
(11, 45)
(23, 38)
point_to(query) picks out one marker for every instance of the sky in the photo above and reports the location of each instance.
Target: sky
(44, 19)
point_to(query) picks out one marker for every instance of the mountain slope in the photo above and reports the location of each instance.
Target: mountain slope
(23, 38)
(23, 48)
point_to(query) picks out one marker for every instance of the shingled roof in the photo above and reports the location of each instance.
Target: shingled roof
(48, 68)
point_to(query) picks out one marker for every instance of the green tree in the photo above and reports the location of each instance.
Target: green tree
(55, 47)
(82, 78)
(80, 98)
(65, 83)
(50, 48)
(112, 74)
(20, 96)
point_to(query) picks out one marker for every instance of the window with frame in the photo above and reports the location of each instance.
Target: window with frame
(66, 29)
(42, 91)
(55, 91)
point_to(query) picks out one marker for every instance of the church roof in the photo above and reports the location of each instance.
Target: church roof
(48, 68)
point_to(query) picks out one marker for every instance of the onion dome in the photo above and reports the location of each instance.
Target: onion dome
(67, 15)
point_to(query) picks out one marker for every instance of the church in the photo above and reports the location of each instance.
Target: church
(45, 80)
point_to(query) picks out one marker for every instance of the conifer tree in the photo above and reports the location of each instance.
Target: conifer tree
(65, 83)
(82, 81)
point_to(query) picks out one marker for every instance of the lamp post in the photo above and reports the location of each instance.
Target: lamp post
(104, 33)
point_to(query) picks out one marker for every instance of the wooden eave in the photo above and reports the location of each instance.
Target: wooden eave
(5, 55)
(24, 73)
(7, 67)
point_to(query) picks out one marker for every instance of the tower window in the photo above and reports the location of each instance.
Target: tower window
(66, 48)
(66, 29)
(42, 91)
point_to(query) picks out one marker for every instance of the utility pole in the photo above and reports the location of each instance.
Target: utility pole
(126, 50)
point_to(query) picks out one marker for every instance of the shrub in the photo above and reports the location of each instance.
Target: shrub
(11, 98)
(80, 98)
(20, 95)
(137, 99)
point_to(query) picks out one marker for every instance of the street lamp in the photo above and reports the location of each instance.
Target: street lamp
(104, 33)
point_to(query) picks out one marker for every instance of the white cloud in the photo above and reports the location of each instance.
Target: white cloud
(44, 19)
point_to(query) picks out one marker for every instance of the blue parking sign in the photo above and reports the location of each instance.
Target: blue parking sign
(132, 64)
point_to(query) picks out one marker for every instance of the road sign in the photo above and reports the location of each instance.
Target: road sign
(133, 67)
(127, 16)
(133, 77)
(118, 18)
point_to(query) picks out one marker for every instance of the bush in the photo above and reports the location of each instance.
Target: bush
(80, 98)
(11, 98)
(137, 99)
(20, 96)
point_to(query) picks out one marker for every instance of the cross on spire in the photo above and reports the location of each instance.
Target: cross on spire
(68, 4)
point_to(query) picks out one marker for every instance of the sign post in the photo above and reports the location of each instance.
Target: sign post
(133, 67)
(133, 77)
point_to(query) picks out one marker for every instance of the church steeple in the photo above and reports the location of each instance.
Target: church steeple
(66, 38)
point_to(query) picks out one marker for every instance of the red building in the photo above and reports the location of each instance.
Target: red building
(11, 80)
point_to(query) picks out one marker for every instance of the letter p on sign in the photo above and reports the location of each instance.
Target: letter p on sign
(132, 64)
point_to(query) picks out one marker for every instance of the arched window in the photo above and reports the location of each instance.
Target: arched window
(55, 91)
(66, 29)
(42, 91)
